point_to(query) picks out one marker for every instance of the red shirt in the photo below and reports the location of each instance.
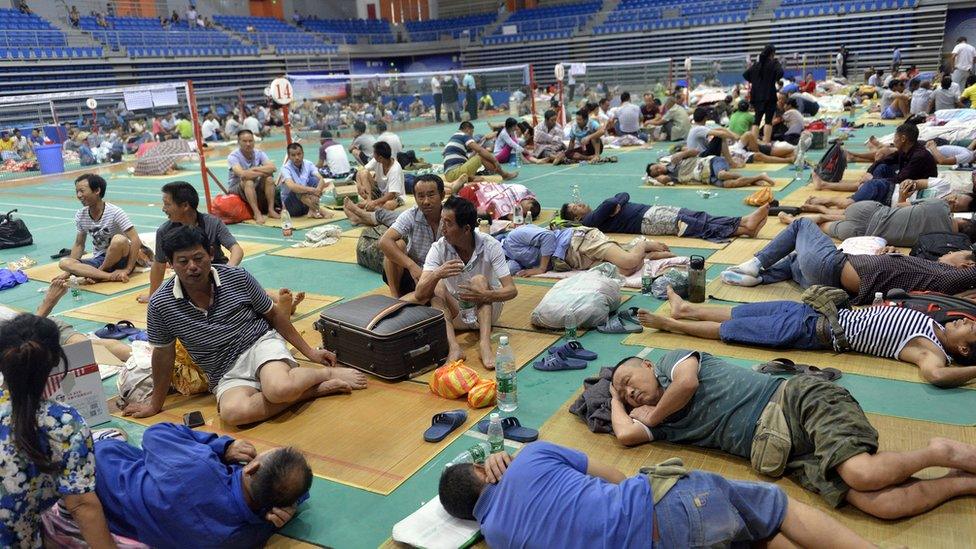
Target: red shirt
(808, 87)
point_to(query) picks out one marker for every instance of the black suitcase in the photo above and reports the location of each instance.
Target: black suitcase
(385, 337)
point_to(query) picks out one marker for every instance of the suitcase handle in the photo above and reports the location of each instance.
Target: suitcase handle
(387, 312)
(417, 352)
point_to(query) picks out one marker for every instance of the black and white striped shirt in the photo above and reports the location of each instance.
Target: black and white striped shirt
(884, 331)
(214, 338)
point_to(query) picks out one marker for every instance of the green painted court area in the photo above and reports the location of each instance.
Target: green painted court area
(338, 515)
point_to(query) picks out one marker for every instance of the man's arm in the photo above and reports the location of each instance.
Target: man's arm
(425, 286)
(542, 268)
(607, 209)
(163, 359)
(156, 274)
(266, 168)
(280, 321)
(388, 245)
(86, 509)
(236, 255)
(507, 292)
(135, 244)
(298, 189)
(481, 151)
(684, 384)
(627, 430)
(55, 292)
(606, 472)
(933, 365)
(78, 248)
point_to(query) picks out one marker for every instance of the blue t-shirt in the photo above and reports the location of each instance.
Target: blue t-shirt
(304, 176)
(528, 244)
(590, 127)
(628, 220)
(176, 491)
(723, 412)
(546, 499)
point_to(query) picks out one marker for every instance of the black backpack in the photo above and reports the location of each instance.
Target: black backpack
(941, 307)
(13, 232)
(831, 167)
(932, 246)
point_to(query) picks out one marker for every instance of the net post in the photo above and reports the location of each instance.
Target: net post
(240, 105)
(198, 135)
(286, 119)
(535, 120)
(670, 76)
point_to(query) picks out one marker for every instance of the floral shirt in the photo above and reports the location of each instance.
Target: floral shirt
(25, 491)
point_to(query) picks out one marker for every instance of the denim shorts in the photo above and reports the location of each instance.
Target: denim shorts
(777, 324)
(877, 190)
(719, 164)
(97, 260)
(706, 510)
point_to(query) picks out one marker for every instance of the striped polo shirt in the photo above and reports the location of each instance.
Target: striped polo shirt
(215, 337)
(456, 150)
(884, 331)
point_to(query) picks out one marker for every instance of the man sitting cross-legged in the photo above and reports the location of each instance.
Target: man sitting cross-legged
(250, 177)
(585, 144)
(235, 334)
(887, 332)
(187, 488)
(466, 268)
(804, 254)
(554, 496)
(694, 398)
(380, 182)
(687, 167)
(117, 247)
(620, 215)
(302, 185)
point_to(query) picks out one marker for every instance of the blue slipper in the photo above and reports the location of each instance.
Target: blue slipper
(556, 362)
(573, 349)
(513, 430)
(624, 322)
(120, 330)
(443, 423)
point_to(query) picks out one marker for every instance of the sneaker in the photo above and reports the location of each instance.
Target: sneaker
(112, 433)
(735, 278)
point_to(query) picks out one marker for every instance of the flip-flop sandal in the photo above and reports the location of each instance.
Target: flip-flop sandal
(613, 160)
(792, 210)
(618, 325)
(65, 252)
(573, 349)
(443, 423)
(786, 366)
(512, 429)
(110, 331)
(556, 363)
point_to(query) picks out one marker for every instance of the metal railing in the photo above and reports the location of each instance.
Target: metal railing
(164, 38)
(32, 39)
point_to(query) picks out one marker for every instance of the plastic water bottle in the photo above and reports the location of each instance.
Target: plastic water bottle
(329, 196)
(575, 195)
(878, 299)
(475, 454)
(505, 377)
(647, 280)
(571, 324)
(517, 216)
(75, 290)
(286, 228)
(528, 218)
(496, 435)
(469, 313)
(484, 227)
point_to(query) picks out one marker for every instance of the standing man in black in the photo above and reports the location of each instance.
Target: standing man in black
(763, 75)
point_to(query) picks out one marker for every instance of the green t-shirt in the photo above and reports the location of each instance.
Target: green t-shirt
(740, 122)
(723, 412)
(185, 128)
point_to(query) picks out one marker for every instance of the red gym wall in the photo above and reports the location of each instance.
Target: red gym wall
(266, 8)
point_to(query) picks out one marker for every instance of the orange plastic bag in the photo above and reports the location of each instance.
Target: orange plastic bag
(453, 380)
(230, 208)
(188, 379)
(483, 393)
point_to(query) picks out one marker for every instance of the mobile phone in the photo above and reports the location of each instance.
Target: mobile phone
(193, 419)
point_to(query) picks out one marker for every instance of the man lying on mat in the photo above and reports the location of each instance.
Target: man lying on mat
(804, 254)
(620, 215)
(116, 245)
(805, 427)
(887, 332)
(688, 168)
(187, 488)
(466, 268)
(533, 250)
(554, 496)
(235, 334)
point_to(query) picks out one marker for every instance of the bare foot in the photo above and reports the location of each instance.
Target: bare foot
(299, 297)
(118, 276)
(818, 183)
(955, 454)
(786, 218)
(259, 219)
(274, 215)
(509, 175)
(487, 356)
(765, 180)
(333, 387)
(455, 353)
(679, 307)
(285, 301)
(355, 378)
(874, 141)
(755, 221)
(651, 320)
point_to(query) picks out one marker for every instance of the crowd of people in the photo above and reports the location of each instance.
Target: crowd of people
(184, 485)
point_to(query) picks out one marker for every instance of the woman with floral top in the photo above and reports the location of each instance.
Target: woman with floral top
(45, 447)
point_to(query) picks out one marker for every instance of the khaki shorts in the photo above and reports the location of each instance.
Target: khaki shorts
(470, 168)
(586, 249)
(496, 311)
(246, 371)
(375, 194)
(65, 330)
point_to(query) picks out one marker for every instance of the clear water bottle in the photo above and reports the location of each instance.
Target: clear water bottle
(468, 310)
(571, 324)
(484, 227)
(878, 299)
(505, 377)
(647, 280)
(528, 218)
(518, 218)
(475, 454)
(496, 435)
(513, 160)
(329, 196)
(73, 283)
(286, 227)
(575, 195)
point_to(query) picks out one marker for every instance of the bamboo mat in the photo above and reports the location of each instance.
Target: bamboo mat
(525, 345)
(303, 222)
(371, 439)
(800, 196)
(850, 363)
(670, 240)
(741, 249)
(125, 307)
(279, 541)
(49, 271)
(876, 119)
(780, 291)
(771, 229)
(781, 182)
(343, 251)
(950, 525)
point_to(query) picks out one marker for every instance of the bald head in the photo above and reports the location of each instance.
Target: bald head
(281, 478)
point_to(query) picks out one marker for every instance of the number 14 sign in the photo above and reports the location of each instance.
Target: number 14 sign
(281, 91)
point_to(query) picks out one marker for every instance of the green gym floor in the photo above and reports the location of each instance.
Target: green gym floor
(341, 516)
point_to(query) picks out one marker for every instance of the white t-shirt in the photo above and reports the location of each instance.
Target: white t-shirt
(231, 128)
(251, 123)
(113, 221)
(920, 101)
(961, 154)
(191, 15)
(336, 159)
(488, 260)
(435, 85)
(964, 56)
(628, 115)
(391, 182)
(393, 140)
(208, 127)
